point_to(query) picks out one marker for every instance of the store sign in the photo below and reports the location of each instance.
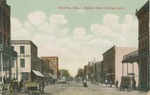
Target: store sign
(23, 55)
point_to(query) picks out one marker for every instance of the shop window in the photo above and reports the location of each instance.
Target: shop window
(25, 76)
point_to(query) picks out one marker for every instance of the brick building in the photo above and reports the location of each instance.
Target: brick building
(144, 46)
(53, 64)
(112, 63)
(6, 53)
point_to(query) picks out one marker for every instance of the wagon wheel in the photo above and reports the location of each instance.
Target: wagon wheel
(28, 91)
(2, 90)
(10, 89)
(23, 89)
(40, 90)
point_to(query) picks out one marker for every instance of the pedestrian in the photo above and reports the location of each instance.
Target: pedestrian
(134, 84)
(117, 84)
(21, 83)
(42, 85)
(110, 83)
(106, 82)
(85, 83)
(4, 79)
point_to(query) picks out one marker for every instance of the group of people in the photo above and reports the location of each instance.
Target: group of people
(42, 85)
(15, 86)
(19, 86)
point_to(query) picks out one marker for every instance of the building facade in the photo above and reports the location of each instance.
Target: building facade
(112, 63)
(87, 72)
(27, 60)
(6, 53)
(53, 64)
(100, 72)
(144, 46)
(94, 71)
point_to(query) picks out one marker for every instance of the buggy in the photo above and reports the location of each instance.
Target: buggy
(33, 88)
(125, 83)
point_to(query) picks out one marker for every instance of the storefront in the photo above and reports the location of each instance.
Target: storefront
(36, 76)
(7, 58)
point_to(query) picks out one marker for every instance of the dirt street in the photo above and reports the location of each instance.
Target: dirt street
(74, 88)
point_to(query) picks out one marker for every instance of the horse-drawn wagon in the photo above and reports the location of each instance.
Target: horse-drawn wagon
(33, 87)
(125, 83)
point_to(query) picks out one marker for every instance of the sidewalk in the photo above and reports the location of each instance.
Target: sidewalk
(131, 91)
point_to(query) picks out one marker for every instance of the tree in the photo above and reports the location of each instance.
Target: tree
(80, 73)
(64, 73)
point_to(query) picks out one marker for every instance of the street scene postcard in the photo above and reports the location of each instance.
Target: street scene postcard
(74, 47)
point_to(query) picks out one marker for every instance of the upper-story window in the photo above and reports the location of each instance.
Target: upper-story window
(22, 49)
(22, 62)
(5, 41)
(1, 37)
(4, 20)
(12, 47)
(0, 16)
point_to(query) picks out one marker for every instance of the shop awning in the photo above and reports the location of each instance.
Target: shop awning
(52, 76)
(38, 73)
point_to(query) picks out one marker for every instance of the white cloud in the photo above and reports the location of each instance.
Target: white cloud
(20, 34)
(111, 20)
(78, 46)
(79, 33)
(104, 31)
(129, 24)
(17, 29)
(57, 20)
(100, 30)
(129, 31)
(56, 26)
(27, 25)
(45, 28)
(37, 17)
(15, 24)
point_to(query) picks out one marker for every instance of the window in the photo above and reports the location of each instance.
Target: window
(8, 41)
(0, 17)
(12, 47)
(22, 49)
(12, 65)
(22, 62)
(5, 40)
(4, 20)
(25, 76)
(1, 37)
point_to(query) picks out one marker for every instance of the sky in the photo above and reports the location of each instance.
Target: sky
(77, 31)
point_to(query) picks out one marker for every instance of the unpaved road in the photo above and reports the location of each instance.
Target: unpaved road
(77, 89)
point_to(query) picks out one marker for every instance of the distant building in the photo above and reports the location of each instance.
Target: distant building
(53, 64)
(28, 65)
(112, 64)
(96, 71)
(87, 72)
(91, 75)
(93, 71)
(99, 71)
(6, 53)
